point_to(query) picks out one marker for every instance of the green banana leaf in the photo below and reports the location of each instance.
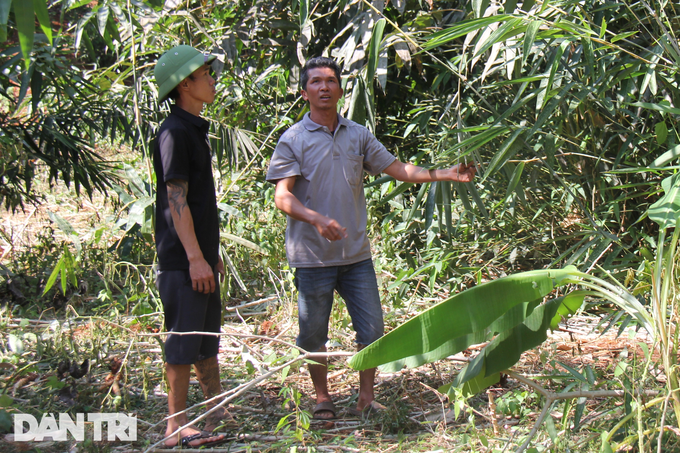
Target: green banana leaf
(505, 350)
(461, 319)
(511, 318)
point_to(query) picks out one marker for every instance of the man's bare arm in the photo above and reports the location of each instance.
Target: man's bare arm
(288, 203)
(412, 173)
(202, 277)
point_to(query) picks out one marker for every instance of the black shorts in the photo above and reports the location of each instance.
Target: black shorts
(187, 310)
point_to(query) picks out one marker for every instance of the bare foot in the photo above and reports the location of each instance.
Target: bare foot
(191, 437)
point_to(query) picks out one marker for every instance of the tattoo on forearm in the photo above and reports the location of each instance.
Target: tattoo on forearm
(177, 195)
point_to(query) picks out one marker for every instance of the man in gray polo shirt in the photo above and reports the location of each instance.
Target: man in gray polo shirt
(318, 170)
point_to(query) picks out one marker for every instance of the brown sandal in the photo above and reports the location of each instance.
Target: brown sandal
(325, 406)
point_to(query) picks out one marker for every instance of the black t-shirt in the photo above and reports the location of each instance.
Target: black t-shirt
(182, 151)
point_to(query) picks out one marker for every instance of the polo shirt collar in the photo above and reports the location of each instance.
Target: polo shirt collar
(197, 121)
(312, 126)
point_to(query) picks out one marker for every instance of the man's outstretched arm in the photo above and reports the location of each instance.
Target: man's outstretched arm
(412, 173)
(202, 276)
(288, 203)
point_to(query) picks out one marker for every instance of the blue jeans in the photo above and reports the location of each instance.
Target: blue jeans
(356, 284)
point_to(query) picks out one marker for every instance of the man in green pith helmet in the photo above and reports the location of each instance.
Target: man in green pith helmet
(187, 239)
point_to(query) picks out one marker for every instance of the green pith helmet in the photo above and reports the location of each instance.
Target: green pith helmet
(176, 65)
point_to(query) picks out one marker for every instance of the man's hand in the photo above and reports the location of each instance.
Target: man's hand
(288, 203)
(202, 276)
(463, 172)
(329, 228)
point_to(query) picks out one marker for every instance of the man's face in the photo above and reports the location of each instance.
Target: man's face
(323, 89)
(201, 85)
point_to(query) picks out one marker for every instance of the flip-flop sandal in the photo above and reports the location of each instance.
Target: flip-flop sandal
(325, 406)
(373, 407)
(186, 440)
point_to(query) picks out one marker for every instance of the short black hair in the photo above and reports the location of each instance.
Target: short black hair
(318, 62)
(174, 93)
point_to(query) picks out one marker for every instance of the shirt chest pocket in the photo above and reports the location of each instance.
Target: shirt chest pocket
(353, 167)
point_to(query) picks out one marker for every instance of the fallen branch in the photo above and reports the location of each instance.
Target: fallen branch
(551, 397)
(252, 304)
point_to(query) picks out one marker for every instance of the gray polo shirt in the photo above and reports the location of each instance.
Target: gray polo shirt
(330, 181)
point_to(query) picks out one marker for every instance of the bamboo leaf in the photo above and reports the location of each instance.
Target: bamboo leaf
(661, 131)
(243, 242)
(304, 12)
(461, 189)
(36, 88)
(649, 80)
(63, 276)
(550, 427)
(578, 414)
(374, 51)
(430, 203)
(587, 45)
(5, 6)
(664, 108)
(234, 271)
(43, 18)
(670, 155)
(514, 179)
(401, 188)
(357, 102)
(529, 38)
(548, 110)
(506, 152)
(555, 64)
(606, 448)
(477, 7)
(512, 27)
(102, 18)
(26, 78)
(446, 200)
(461, 29)
(573, 372)
(24, 16)
(80, 28)
(66, 227)
(69, 265)
(53, 276)
(527, 5)
(478, 140)
(509, 6)
(478, 200)
(416, 204)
